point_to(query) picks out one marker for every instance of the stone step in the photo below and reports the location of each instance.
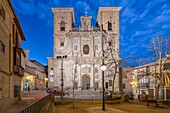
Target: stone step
(86, 93)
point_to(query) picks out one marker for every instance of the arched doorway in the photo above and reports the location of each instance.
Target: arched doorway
(86, 82)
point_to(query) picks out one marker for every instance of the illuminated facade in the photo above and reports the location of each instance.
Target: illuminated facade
(78, 51)
(34, 75)
(12, 57)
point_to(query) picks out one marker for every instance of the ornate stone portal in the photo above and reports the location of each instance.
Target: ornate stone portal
(83, 48)
(86, 82)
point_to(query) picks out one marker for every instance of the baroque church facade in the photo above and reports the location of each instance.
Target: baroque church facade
(79, 52)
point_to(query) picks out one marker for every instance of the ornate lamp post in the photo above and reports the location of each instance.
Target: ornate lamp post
(103, 68)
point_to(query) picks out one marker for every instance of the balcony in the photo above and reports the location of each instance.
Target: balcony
(143, 84)
(19, 61)
(143, 73)
(19, 70)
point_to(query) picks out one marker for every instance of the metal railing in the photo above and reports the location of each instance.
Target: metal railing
(37, 106)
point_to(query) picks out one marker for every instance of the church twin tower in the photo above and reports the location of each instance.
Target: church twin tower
(78, 52)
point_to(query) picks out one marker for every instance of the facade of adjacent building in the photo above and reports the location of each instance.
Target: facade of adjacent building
(34, 75)
(12, 57)
(78, 52)
(126, 80)
(147, 78)
(40, 80)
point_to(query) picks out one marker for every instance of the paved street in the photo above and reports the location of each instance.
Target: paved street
(28, 99)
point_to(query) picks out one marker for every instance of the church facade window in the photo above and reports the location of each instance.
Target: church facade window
(62, 42)
(109, 26)
(75, 48)
(62, 25)
(96, 47)
(110, 43)
(86, 49)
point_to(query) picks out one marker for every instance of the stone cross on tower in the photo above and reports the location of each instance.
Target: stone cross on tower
(86, 12)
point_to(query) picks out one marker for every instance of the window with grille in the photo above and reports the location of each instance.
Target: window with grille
(2, 47)
(2, 11)
(107, 85)
(110, 82)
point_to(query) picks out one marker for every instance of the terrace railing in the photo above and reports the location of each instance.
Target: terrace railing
(40, 106)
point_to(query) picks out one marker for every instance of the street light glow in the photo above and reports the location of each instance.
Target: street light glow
(103, 67)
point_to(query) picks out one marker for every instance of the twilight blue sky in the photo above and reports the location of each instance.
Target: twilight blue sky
(140, 21)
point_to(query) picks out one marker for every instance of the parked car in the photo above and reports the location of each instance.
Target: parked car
(48, 90)
(57, 92)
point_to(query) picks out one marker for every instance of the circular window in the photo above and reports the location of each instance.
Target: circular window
(86, 49)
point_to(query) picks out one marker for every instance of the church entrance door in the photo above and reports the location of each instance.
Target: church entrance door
(86, 82)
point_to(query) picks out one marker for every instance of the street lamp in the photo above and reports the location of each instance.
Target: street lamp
(62, 57)
(103, 68)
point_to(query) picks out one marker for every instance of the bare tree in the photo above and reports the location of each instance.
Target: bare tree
(159, 46)
(75, 64)
(111, 55)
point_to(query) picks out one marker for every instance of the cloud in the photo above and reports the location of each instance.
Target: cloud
(165, 26)
(141, 33)
(25, 7)
(128, 12)
(161, 18)
(140, 20)
(33, 8)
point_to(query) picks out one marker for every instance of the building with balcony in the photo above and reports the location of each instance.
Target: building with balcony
(150, 76)
(41, 76)
(34, 75)
(12, 57)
